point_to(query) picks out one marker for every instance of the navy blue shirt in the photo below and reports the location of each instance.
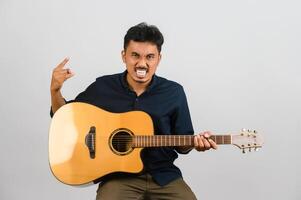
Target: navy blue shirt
(164, 100)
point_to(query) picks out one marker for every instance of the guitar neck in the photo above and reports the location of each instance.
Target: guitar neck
(174, 140)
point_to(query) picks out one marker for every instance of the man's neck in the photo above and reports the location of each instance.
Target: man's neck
(137, 87)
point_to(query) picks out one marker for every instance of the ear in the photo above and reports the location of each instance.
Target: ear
(160, 56)
(123, 56)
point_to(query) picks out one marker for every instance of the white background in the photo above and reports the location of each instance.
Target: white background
(238, 60)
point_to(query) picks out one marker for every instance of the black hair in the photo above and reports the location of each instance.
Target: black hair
(144, 33)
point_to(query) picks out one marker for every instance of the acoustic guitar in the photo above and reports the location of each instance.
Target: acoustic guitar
(87, 143)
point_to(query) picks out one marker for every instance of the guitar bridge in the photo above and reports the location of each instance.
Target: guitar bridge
(90, 141)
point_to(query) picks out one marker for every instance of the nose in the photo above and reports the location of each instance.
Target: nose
(142, 62)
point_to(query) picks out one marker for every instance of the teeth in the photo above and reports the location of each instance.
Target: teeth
(141, 72)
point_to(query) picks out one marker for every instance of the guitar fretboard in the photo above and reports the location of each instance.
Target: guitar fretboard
(174, 140)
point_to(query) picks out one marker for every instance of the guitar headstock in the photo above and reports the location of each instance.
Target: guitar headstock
(247, 140)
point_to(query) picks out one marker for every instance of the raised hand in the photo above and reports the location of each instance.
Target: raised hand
(60, 75)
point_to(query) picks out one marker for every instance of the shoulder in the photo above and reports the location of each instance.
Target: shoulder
(109, 81)
(166, 84)
(111, 77)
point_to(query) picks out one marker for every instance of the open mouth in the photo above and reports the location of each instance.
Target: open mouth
(141, 72)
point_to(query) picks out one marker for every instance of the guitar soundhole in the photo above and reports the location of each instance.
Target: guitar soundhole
(121, 142)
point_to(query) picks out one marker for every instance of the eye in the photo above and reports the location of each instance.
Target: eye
(135, 55)
(150, 56)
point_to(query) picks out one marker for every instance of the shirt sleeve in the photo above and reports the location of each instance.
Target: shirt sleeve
(182, 123)
(87, 96)
(182, 119)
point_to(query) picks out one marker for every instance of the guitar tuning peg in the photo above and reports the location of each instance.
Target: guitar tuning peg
(250, 149)
(255, 131)
(243, 151)
(243, 129)
(256, 149)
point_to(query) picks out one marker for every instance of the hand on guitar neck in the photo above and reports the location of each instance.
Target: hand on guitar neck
(202, 142)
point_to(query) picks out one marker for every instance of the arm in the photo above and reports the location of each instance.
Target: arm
(59, 76)
(184, 149)
(57, 100)
(183, 124)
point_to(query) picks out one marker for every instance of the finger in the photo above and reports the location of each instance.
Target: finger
(66, 71)
(200, 146)
(62, 75)
(213, 144)
(62, 71)
(62, 64)
(200, 142)
(207, 134)
(206, 143)
(196, 141)
(69, 75)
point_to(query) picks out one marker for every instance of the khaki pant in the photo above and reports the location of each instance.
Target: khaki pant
(143, 187)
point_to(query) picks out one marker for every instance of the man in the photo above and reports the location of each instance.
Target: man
(138, 88)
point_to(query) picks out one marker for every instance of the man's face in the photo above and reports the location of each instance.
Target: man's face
(141, 60)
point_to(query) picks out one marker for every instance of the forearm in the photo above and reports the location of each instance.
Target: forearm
(184, 149)
(57, 100)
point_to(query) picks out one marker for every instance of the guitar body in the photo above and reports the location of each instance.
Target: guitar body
(82, 146)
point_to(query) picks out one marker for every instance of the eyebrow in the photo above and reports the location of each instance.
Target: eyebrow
(135, 53)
